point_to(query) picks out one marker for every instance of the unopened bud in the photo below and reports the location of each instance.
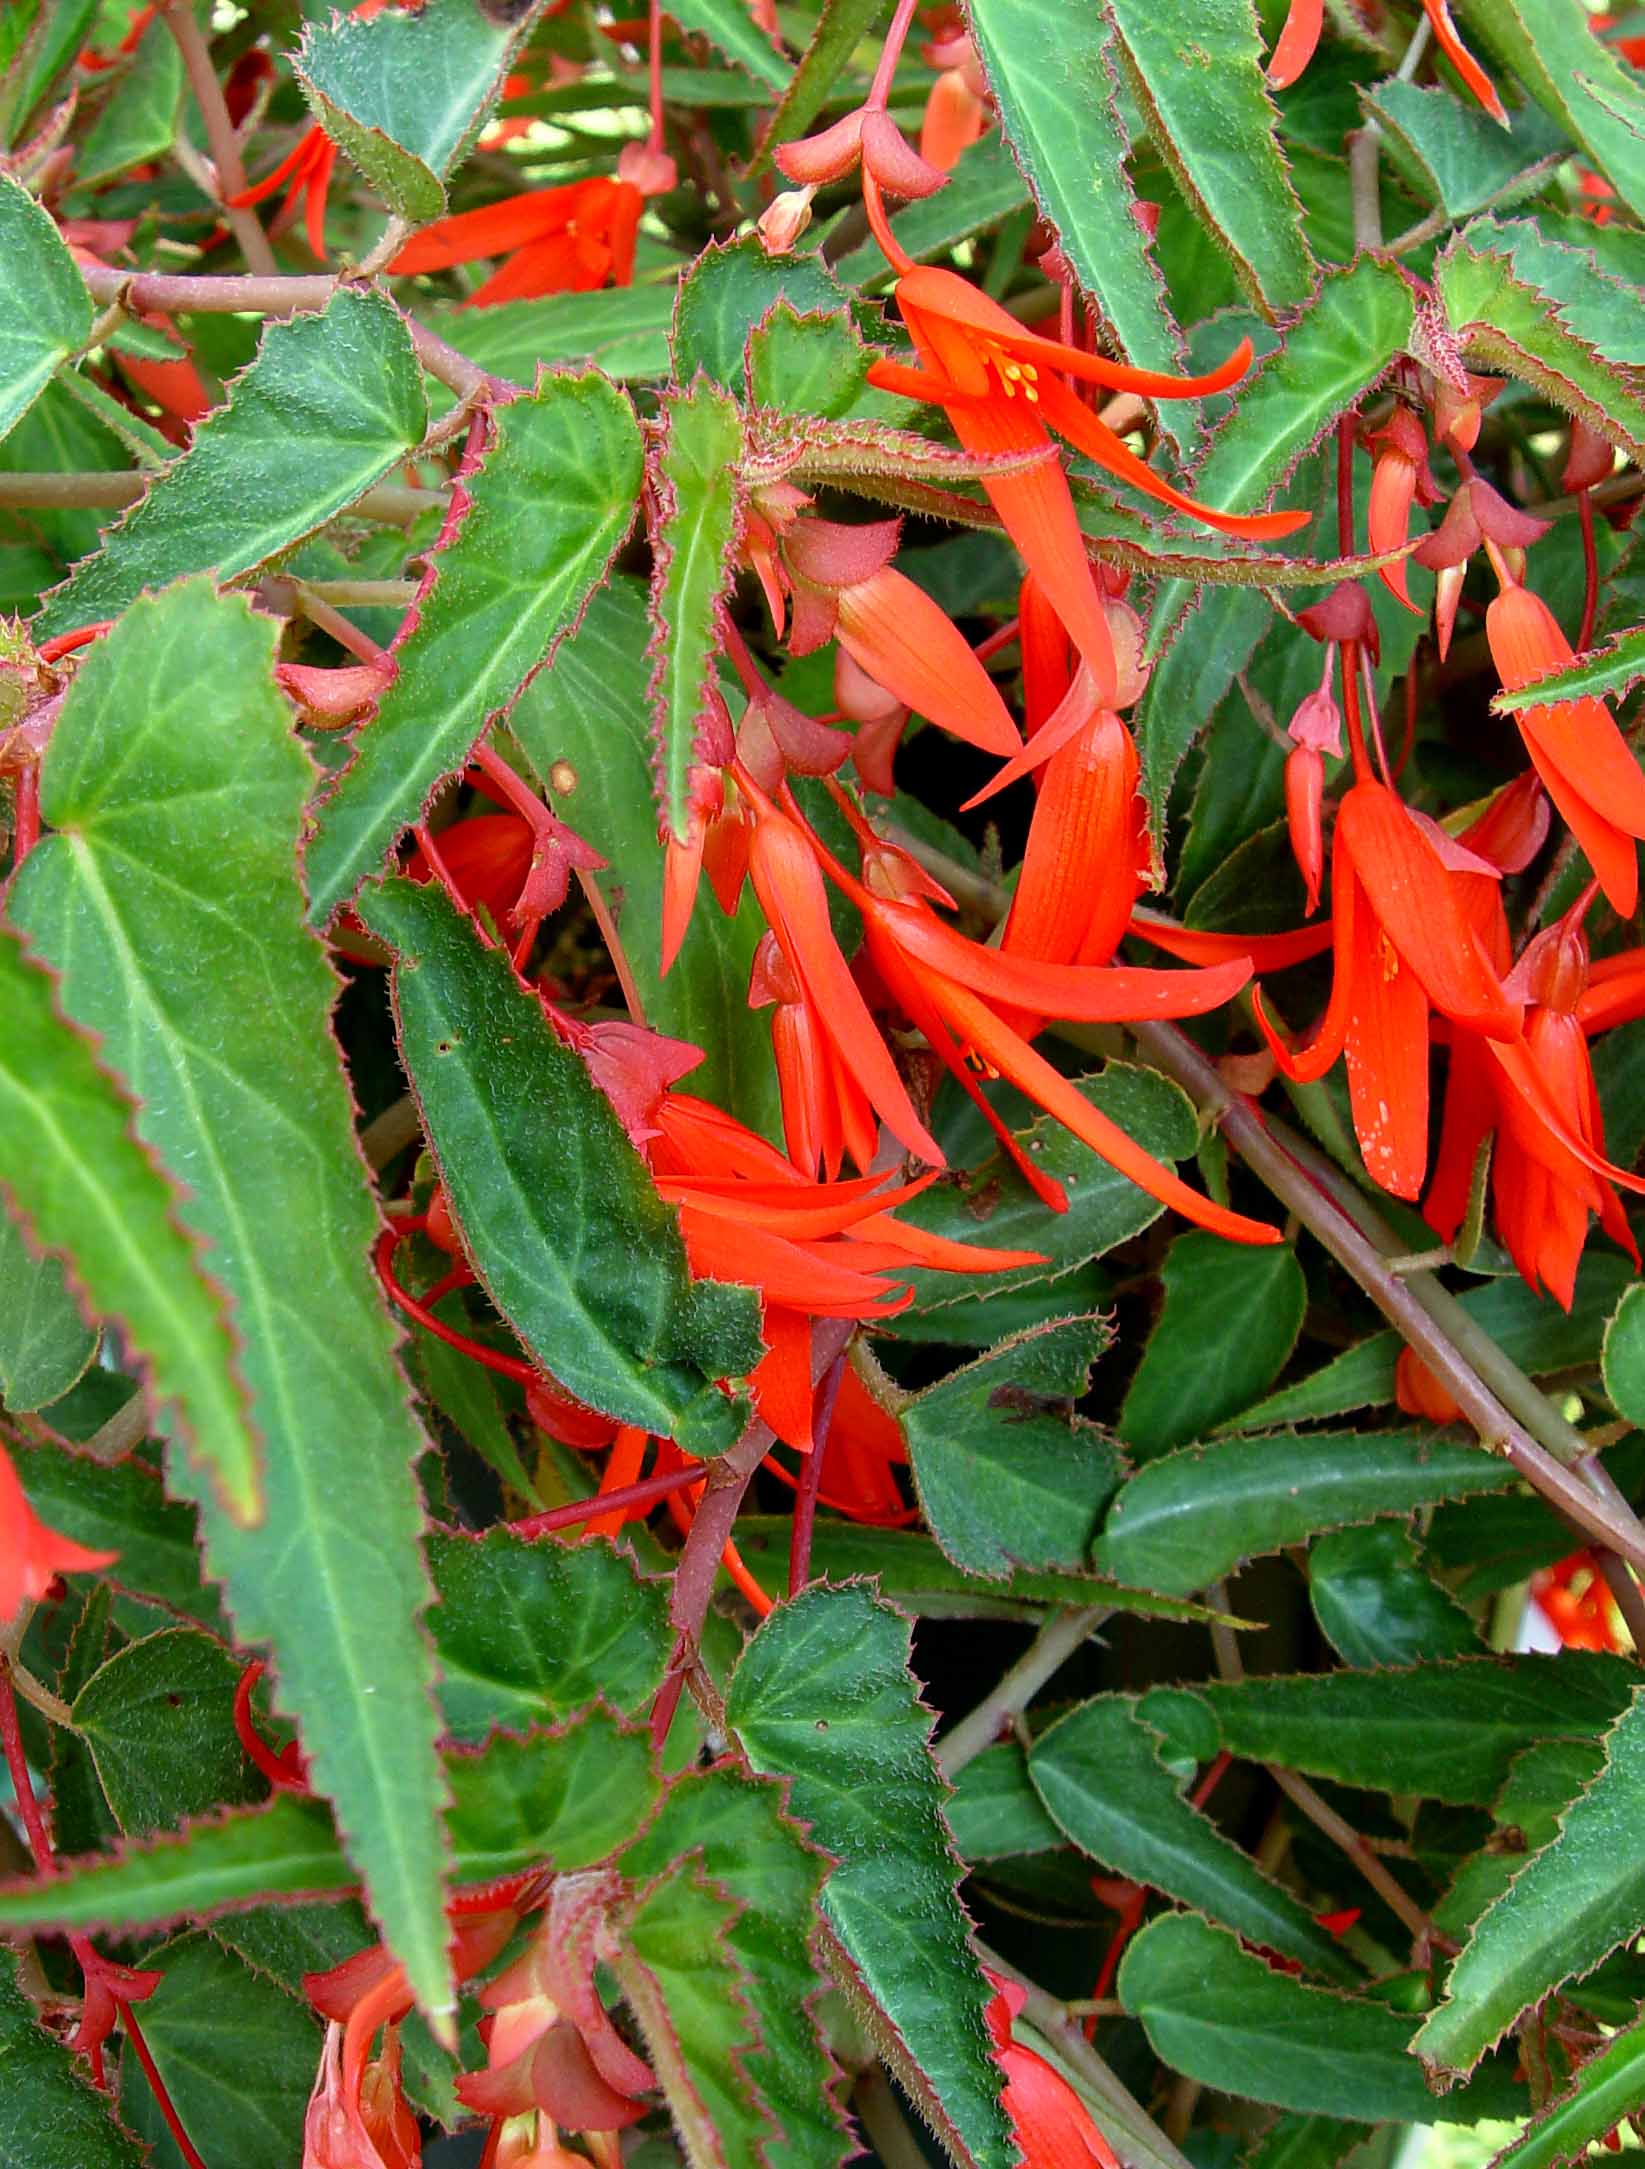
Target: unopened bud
(1589, 460)
(785, 218)
(1318, 723)
(648, 168)
(1304, 802)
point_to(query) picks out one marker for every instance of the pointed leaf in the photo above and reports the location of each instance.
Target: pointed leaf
(51, 2117)
(138, 119)
(406, 93)
(531, 535)
(730, 25)
(330, 403)
(1607, 672)
(171, 906)
(1304, 2142)
(1569, 1906)
(1228, 1322)
(1576, 78)
(822, 1695)
(1608, 2087)
(995, 1812)
(698, 514)
(729, 289)
(1196, 73)
(45, 311)
(87, 1188)
(1541, 1785)
(1467, 159)
(622, 331)
(45, 1342)
(1377, 1605)
(159, 1720)
(813, 364)
(562, 1219)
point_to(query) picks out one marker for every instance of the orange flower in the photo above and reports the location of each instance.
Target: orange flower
(1399, 474)
(1003, 389)
(31, 1555)
(1581, 756)
(1294, 48)
(562, 240)
(1052, 2127)
(305, 174)
(1419, 1393)
(1572, 1597)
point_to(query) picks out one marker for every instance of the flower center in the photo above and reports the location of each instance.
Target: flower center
(1016, 376)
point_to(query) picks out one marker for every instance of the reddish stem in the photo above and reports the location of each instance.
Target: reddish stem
(1590, 570)
(1350, 710)
(654, 141)
(526, 1374)
(27, 833)
(880, 226)
(805, 1498)
(879, 91)
(645, 1493)
(986, 650)
(157, 2086)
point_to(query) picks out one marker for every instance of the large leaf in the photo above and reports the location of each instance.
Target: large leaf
(1229, 1321)
(564, 1223)
(159, 1720)
(1608, 2087)
(330, 403)
(1569, 1906)
(1188, 1519)
(540, 520)
(1443, 1731)
(1196, 73)
(697, 500)
(72, 1163)
(171, 906)
(1098, 1772)
(1378, 1605)
(1004, 1476)
(45, 1343)
(1575, 77)
(407, 92)
(45, 311)
(51, 2117)
(1222, 2015)
(822, 1696)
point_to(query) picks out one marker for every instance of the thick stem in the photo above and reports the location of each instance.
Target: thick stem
(805, 1498)
(1062, 1634)
(394, 504)
(225, 149)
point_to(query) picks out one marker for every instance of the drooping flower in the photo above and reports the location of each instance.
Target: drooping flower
(31, 1554)
(569, 239)
(956, 112)
(1400, 475)
(1051, 2125)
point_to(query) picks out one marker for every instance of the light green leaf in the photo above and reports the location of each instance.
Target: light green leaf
(45, 1342)
(732, 287)
(1229, 1321)
(622, 331)
(1607, 672)
(692, 569)
(1467, 159)
(1622, 1357)
(564, 1223)
(169, 903)
(45, 311)
(407, 93)
(1099, 1774)
(1005, 1477)
(1196, 73)
(51, 2116)
(812, 364)
(72, 1146)
(1608, 2087)
(138, 118)
(1188, 1519)
(822, 1696)
(159, 1720)
(1569, 1906)
(1377, 1605)
(841, 27)
(545, 512)
(1541, 1785)
(1576, 78)
(328, 406)
(730, 25)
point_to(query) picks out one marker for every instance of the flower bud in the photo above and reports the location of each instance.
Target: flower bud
(1304, 804)
(785, 218)
(648, 168)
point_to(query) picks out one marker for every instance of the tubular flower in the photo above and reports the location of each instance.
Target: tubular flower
(1476, 515)
(955, 112)
(562, 240)
(1581, 756)
(1314, 731)
(1052, 2127)
(1399, 474)
(1004, 392)
(1403, 943)
(305, 175)
(1419, 1393)
(31, 1555)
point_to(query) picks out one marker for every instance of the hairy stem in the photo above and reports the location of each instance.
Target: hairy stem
(225, 149)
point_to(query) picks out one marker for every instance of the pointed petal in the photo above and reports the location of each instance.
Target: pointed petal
(1294, 47)
(1077, 711)
(1268, 952)
(1307, 1065)
(495, 229)
(1079, 875)
(1597, 786)
(1387, 1051)
(1470, 1115)
(942, 1253)
(1388, 518)
(903, 638)
(296, 160)
(1445, 37)
(1615, 992)
(781, 1380)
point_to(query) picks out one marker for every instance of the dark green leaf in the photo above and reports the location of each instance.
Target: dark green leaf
(1622, 1357)
(1467, 159)
(995, 1813)
(570, 1797)
(731, 288)
(546, 510)
(1098, 1772)
(1609, 672)
(45, 1342)
(193, 962)
(328, 406)
(45, 311)
(1230, 1319)
(121, 1507)
(822, 1696)
(1540, 1787)
(51, 2117)
(729, 25)
(159, 1720)
(567, 1231)
(1376, 1604)
(138, 119)
(1304, 2142)
(623, 331)
(1004, 1476)
(1608, 2087)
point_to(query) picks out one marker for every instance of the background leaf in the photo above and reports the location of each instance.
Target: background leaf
(45, 1343)
(50, 2115)
(45, 311)
(1229, 1321)
(158, 1718)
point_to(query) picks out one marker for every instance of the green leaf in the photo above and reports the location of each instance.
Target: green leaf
(736, 1826)
(584, 720)
(138, 118)
(812, 364)
(1004, 1476)
(90, 1192)
(822, 1696)
(1514, 317)
(1467, 159)
(995, 1813)
(622, 331)
(1443, 1731)
(985, 187)
(729, 25)
(170, 904)
(732, 287)
(1219, 2014)
(407, 93)
(841, 27)
(45, 311)
(236, 2053)
(541, 520)
(1099, 1773)
(45, 1343)
(1376, 1604)
(570, 1796)
(1196, 73)
(1229, 1321)
(1622, 1358)
(51, 2117)
(1569, 1906)
(159, 1720)
(692, 569)
(1188, 1519)
(1576, 78)
(1540, 1786)
(533, 1631)
(1053, 78)
(1304, 2142)
(121, 1506)
(1608, 2087)
(1607, 672)
(564, 1223)
(331, 402)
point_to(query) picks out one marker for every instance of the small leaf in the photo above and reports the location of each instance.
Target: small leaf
(1569, 1906)
(1219, 2014)
(995, 1813)
(1004, 1478)
(1576, 78)
(1467, 159)
(812, 365)
(1190, 1518)
(159, 1720)
(1377, 1605)
(1196, 73)
(823, 1689)
(729, 25)
(729, 290)
(45, 311)
(1608, 2087)
(330, 403)
(1606, 672)
(138, 120)
(1229, 1321)
(51, 2117)
(45, 1343)
(841, 27)
(1623, 1355)
(407, 93)
(696, 530)
(540, 522)
(564, 1223)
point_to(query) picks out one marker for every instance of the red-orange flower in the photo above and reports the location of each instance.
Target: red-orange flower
(1052, 2127)
(1574, 1600)
(31, 1555)
(305, 174)
(569, 239)
(1294, 48)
